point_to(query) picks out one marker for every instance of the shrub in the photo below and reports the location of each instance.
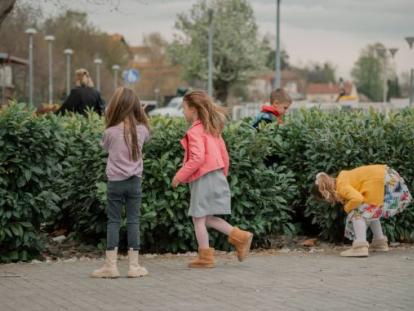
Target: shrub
(30, 148)
(260, 195)
(344, 140)
(165, 225)
(52, 175)
(82, 182)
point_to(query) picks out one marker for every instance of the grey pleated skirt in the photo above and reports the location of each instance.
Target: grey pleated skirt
(210, 195)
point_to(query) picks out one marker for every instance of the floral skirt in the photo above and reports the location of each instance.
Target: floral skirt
(396, 198)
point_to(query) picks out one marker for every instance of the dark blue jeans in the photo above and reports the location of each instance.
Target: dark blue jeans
(123, 193)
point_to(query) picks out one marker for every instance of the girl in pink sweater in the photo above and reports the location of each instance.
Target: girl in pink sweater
(206, 165)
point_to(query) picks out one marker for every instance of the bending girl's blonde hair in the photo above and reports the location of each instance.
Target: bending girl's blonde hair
(326, 185)
(83, 78)
(211, 115)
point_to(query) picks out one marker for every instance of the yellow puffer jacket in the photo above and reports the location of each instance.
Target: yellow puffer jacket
(363, 184)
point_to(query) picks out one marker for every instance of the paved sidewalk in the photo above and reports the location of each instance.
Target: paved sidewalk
(264, 282)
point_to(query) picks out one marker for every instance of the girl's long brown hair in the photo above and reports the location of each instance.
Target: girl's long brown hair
(211, 115)
(125, 106)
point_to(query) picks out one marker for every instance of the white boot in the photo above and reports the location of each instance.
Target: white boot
(380, 245)
(109, 269)
(135, 270)
(359, 249)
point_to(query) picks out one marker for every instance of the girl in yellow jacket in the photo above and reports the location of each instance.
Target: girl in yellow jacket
(368, 194)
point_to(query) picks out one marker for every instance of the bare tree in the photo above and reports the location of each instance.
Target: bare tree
(6, 6)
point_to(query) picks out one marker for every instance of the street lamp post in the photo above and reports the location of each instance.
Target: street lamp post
(394, 51)
(382, 53)
(50, 40)
(31, 32)
(3, 84)
(277, 54)
(98, 63)
(410, 41)
(68, 53)
(115, 68)
(157, 95)
(210, 52)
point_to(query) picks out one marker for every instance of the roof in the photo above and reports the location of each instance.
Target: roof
(120, 38)
(327, 88)
(6, 58)
(140, 49)
(286, 75)
(117, 37)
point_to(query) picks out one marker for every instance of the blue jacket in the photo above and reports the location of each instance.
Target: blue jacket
(266, 117)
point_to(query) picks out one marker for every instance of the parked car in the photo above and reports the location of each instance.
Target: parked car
(173, 109)
(149, 105)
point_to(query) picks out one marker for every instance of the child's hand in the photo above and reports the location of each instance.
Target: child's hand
(175, 182)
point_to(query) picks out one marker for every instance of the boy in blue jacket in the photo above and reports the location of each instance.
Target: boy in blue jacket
(280, 102)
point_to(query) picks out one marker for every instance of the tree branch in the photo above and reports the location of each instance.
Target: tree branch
(6, 6)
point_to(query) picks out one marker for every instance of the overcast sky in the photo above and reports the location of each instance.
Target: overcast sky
(311, 30)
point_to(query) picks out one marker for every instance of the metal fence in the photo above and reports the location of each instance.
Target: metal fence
(252, 109)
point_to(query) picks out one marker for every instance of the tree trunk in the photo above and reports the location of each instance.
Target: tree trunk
(221, 89)
(6, 6)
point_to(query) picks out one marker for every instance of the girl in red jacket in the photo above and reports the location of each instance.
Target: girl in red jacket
(206, 165)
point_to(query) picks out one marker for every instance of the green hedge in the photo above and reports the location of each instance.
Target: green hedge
(30, 149)
(317, 141)
(165, 225)
(73, 184)
(52, 175)
(81, 186)
(261, 196)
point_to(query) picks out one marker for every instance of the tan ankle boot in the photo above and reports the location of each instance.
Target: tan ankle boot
(135, 270)
(358, 249)
(205, 259)
(109, 268)
(380, 245)
(241, 240)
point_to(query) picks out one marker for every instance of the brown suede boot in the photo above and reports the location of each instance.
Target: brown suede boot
(109, 269)
(380, 245)
(358, 249)
(135, 270)
(241, 240)
(205, 259)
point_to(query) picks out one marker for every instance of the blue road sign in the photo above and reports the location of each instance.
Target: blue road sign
(131, 75)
